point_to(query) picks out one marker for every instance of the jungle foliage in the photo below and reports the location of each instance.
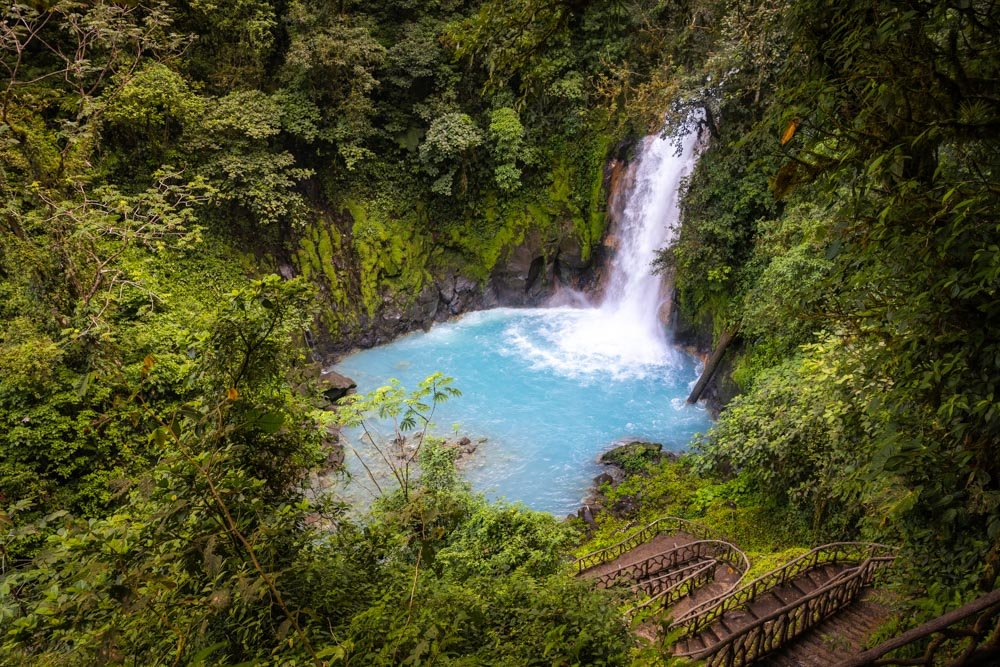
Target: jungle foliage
(161, 162)
(845, 225)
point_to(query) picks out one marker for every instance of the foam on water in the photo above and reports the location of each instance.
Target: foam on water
(589, 345)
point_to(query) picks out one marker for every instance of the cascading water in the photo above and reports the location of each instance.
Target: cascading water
(626, 335)
(650, 220)
(550, 388)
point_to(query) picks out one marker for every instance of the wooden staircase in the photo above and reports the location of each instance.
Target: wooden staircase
(844, 633)
(771, 611)
(761, 606)
(740, 625)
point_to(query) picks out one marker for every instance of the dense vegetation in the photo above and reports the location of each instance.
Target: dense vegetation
(162, 163)
(845, 227)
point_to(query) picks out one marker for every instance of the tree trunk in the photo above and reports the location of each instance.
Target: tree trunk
(711, 365)
(981, 655)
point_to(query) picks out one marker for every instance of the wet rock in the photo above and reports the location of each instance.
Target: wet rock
(456, 294)
(604, 478)
(514, 277)
(464, 447)
(527, 275)
(587, 515)
(426, 305)
(335, 456)
(633, 457)
(335, 386)
(570, 255)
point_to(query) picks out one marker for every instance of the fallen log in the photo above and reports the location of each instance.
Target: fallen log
(725, 339)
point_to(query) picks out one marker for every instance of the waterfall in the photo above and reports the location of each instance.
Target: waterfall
(624, 337)
(550, 387)
(635, 296)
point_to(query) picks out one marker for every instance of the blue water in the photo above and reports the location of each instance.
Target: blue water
(549, 389)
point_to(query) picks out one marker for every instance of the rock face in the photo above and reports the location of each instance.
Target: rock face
(528, 275)
(335, 386)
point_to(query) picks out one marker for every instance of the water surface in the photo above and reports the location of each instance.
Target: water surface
(548, 388)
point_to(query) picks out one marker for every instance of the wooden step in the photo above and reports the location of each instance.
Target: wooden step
(692, 644)
(711, 637)
(832, 640)
(795, 584)
(820, 575)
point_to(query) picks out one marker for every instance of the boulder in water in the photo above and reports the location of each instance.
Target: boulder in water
(604, 478)
(464, 447)
(633, 457)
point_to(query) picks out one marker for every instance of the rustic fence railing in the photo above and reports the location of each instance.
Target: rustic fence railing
(671, 587)
(967, 636)
(849, 553)
(667, 524)
(674, 558)
(751, 642)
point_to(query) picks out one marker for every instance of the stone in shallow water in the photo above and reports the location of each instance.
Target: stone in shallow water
(604, 478)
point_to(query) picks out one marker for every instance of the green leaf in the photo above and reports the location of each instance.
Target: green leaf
(270, 422)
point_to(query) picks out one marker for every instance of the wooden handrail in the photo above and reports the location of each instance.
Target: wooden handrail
(674, 586)
(776, 629)
(984, 608)
(665, 524)
(672, 558)
(704, 614)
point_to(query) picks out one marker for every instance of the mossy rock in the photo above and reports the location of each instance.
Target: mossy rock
(633, 457)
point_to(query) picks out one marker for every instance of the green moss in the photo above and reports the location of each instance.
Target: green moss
(393, 253)
(597, 205)
(633, 457)
(483, 240)
(768, 534)
(399, 239)
(577, 188)
(317, 258)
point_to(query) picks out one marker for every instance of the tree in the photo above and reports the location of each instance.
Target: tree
(447, 150)
(405, 413)
(507, 133)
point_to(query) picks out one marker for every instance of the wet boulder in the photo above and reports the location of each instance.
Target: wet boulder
(634, 456)
(335, 386)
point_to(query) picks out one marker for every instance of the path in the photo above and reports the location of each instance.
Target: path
(812, 611)
(842, 635)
